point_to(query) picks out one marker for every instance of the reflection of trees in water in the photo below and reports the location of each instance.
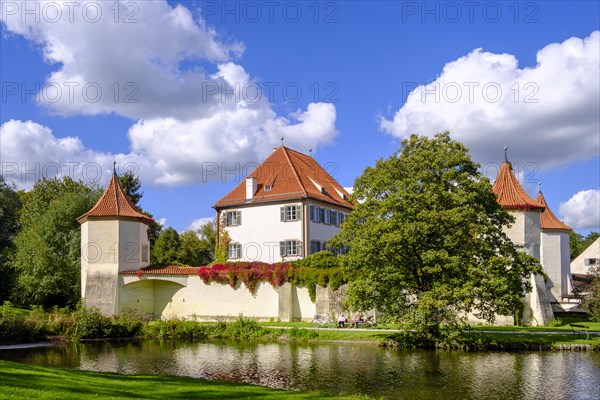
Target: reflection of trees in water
(340, 368)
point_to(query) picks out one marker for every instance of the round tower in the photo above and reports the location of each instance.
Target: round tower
(114, 238)
(526, 231)
(555, 250)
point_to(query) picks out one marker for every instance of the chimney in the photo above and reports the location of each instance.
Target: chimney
(250, 188)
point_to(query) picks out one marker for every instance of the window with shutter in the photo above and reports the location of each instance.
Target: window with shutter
(233, 218)
(290, 213)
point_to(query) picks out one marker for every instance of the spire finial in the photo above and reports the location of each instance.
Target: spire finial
(310, 152)
(539, 186)
(282, 140)
(114, 168)
(506, 154)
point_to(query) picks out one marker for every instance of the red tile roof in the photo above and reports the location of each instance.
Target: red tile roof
(115, 203)
(291, 175)
(509, 192)
(547, 218)
(163, 270)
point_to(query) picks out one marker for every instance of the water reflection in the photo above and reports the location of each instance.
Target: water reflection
(342, 368)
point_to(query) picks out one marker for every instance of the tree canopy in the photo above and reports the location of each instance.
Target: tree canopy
(173, 248)
(131, 185)
(579, 243)
(425, 239)
(47, 255)
(10, 205)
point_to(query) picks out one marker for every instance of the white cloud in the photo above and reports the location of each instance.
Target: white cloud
(192, 125)
(197, 223)
(582, 210)
(154, 66)
(222, 147)
(547, 114)
(163, 222)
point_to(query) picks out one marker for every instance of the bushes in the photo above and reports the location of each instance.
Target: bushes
(19, 327)
(174, 329)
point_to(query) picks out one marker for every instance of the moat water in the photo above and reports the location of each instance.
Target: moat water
(341, 368)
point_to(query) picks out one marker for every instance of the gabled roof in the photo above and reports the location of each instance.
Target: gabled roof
(290, 175)
(115, 203)
(509, 192)
(547, 218)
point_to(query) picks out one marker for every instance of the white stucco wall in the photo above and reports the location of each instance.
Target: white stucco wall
(262, 230)
(555, 261)
(578, 265)
(187, 296)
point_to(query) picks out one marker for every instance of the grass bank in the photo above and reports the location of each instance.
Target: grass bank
(18, 326)
(20, 381)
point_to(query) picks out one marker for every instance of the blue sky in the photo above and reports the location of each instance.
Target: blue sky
(191, 95)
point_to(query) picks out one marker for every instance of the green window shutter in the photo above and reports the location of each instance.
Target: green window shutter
(282, 213)
(299, 212)
(282, 249)
(239, 217)
(300, 249)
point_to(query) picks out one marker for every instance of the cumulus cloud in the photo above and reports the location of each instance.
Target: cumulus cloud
(582, 210)
(153, 65)
(199, 116)
(547, 114)
(198, 223)
(165, 151)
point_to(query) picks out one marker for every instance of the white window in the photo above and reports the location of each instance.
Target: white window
(234, 251)
(334, 218)
(592, 261)
(233, 218)
(315, 246)
(326, 217)
(315, 214)
(144, 253)
(291, 213)
(290, 248)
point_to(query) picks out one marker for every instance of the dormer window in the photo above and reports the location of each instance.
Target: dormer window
(268, 188)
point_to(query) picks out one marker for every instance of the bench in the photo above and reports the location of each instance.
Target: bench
(582, 329)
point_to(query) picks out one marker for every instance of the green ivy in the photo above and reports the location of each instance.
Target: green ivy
(321, 269)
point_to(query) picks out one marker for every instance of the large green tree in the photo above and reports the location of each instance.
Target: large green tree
(173, 248)
(426, 241)
(47, 255)
(10, 204)
(166, 248)
(131, 185)
(579, 243)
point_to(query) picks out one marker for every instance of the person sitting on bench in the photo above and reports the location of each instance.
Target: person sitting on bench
(341, 321)
(357, 320)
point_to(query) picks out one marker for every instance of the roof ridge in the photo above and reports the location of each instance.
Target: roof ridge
(287, 156)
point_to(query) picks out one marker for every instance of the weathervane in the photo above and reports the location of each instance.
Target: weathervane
(115, 168)
(282, 140)
(505, 154)
(310, 152)
(539, 186)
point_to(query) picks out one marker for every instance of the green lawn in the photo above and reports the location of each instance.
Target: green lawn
(20, 381)
(564, 326)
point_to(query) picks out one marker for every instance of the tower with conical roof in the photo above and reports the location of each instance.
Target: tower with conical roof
(555, 250)
(525, 231)
(114, 238)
